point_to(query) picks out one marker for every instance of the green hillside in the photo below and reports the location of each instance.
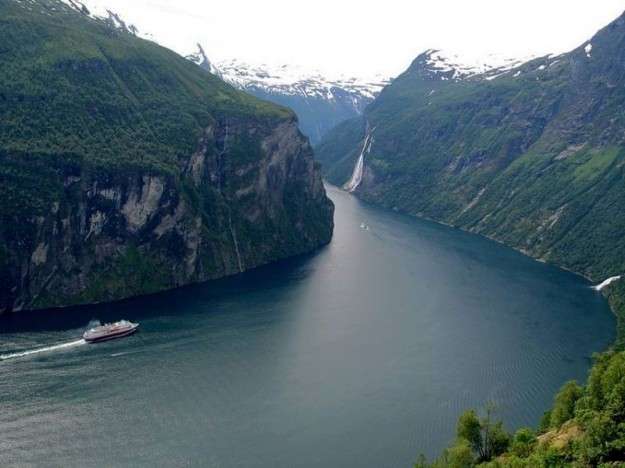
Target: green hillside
(533, 158)
(125, 169)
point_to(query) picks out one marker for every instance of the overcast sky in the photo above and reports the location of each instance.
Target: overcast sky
(366, 37)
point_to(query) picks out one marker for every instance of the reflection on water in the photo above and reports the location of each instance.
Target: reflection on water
(362, 354)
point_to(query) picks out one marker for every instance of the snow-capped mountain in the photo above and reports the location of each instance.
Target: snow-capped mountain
(321, 102)
(294, 80)
(454, 66)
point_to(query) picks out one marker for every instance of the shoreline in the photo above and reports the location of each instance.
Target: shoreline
(607, 291)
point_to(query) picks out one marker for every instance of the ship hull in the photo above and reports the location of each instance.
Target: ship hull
(111, 336)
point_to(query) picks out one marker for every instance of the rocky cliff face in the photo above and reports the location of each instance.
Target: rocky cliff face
(110, 236)
(216, 183)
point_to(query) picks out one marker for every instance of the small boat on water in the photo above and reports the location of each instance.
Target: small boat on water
(110, 331)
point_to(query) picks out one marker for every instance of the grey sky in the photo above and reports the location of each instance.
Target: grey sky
(366, 37)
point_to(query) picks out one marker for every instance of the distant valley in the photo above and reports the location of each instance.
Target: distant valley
(320, 102)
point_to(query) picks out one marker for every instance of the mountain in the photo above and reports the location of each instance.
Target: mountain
(98, 11)
(125, 169)
(200, 59)
(452, 66)
(320, 102)
(532, 156)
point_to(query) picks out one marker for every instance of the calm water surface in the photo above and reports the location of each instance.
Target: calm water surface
(361, 355)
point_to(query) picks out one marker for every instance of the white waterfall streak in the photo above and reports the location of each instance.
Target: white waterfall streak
(235, 241)
(606, 283)
(359, 169)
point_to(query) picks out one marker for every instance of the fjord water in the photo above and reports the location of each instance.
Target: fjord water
(363, 354)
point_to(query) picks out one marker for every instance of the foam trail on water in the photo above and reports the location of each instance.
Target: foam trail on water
(69, 344)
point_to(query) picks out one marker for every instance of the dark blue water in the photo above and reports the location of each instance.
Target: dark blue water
(361, 355)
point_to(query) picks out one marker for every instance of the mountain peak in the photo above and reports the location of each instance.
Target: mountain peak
(199, 58)
(446, 65)
(97, 11)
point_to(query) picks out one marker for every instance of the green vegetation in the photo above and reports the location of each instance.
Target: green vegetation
(80, 93)
(616, 297)
(134, 272)
(478, 440)
(596, 163)
(126, 169)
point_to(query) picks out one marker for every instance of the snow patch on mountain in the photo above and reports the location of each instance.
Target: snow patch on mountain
(200, 59)
(98, 11)
(455, 66)
(295, 80)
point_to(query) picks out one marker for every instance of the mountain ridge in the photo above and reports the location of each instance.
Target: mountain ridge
(481, 153)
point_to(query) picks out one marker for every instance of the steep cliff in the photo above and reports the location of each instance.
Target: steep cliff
(125, 170)
(533, 156)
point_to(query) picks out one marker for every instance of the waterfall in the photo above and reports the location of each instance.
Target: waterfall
(606, 283)
(359, 169)
(236, 243)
